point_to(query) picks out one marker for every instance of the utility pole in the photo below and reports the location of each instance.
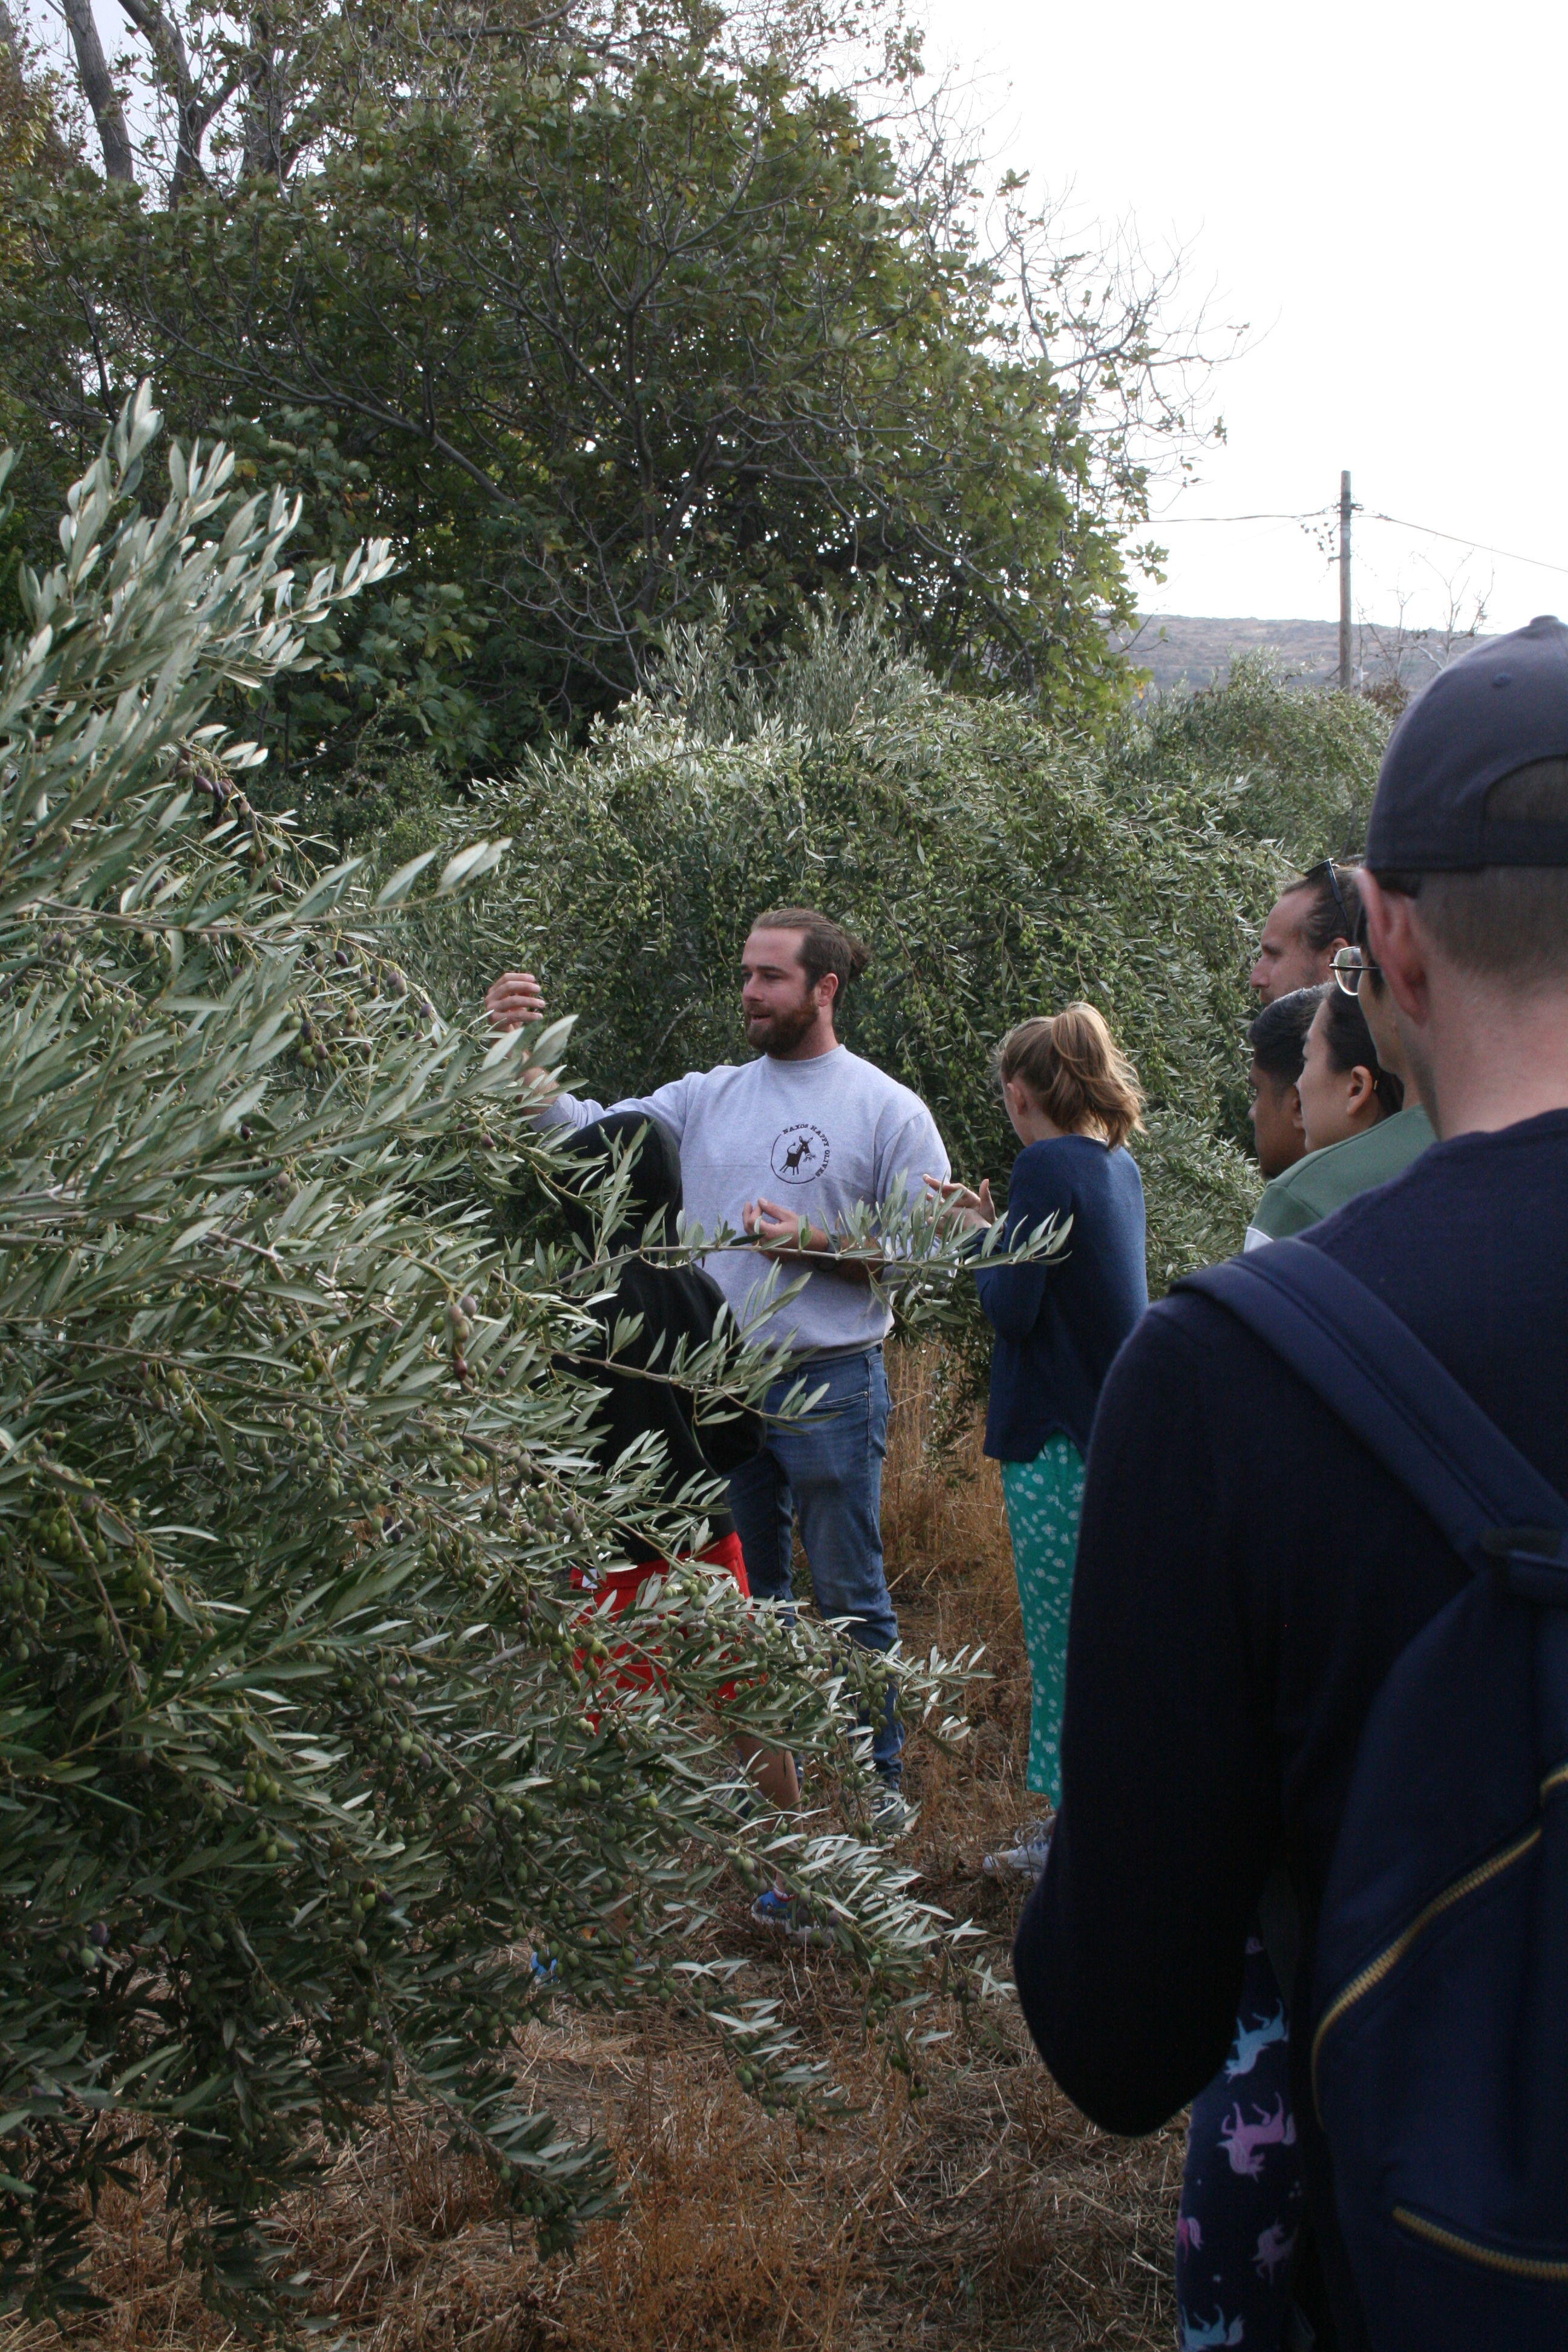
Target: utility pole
(1344, 584)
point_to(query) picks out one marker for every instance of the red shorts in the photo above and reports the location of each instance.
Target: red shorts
(623, 1584)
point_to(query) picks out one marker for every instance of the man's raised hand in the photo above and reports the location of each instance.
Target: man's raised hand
(514, 1000)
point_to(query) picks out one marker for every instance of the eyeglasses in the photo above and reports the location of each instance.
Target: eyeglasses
(1348, 965)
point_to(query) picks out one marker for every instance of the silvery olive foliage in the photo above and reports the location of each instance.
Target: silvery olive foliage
(309, 1748)
(994, 867)
(1270, 760)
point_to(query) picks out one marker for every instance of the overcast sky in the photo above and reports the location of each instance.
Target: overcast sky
(1377, 191)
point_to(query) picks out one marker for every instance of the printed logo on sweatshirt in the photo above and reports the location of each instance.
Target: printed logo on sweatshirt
(800, 1154)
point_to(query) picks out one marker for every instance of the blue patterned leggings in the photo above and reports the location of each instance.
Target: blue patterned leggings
(1242, 2190)
(1044, 1499)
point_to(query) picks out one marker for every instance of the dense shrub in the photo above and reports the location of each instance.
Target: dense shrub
(983, 859)
(1262, 756)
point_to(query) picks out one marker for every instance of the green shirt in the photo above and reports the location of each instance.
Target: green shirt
(1324, 1180)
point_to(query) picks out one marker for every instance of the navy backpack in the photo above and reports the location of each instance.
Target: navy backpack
(1439, 1999)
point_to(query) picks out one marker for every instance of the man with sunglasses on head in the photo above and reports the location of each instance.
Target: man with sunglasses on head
(1309, 923)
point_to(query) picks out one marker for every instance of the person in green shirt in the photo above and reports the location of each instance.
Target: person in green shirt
(1279, 1038)
(1359, 1129)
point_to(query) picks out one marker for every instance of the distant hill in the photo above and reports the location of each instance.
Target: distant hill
(1184, 649)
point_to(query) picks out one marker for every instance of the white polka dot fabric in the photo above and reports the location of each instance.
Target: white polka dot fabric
(1044, 1499)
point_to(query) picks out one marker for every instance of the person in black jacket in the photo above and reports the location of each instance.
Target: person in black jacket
(1073, 1099)
(1224, 1654)
(662, 1306)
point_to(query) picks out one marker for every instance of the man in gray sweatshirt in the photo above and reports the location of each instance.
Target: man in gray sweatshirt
(784, 1148)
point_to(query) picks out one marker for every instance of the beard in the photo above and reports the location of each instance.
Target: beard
(781, 1033)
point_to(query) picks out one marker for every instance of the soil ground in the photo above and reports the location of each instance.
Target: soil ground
(985, 2212)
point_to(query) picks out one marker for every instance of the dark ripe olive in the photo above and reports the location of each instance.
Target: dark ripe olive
(342, 956)
(245, 1130)
(98, 1934)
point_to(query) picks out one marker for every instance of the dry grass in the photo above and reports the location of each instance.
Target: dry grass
(985, 2213)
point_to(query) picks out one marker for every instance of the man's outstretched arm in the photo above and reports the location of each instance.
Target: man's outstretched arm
(1128, 1954)
(515, 999)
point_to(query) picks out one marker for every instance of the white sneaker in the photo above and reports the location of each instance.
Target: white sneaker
(890, 1813)
(1025, 1860)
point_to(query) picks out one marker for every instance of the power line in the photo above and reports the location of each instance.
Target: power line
(1311, 516)
(1399, 522)
(1475, 546)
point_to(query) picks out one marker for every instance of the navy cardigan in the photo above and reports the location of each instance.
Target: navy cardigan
(1059, 1323)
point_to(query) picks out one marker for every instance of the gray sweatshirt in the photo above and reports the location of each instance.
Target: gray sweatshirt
(820, 1135)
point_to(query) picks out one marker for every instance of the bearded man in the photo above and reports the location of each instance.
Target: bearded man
(785, 1147)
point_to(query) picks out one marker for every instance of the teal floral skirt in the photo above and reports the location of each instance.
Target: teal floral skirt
(1044, 1499)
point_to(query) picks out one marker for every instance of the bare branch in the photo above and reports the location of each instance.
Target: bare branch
(98, 88)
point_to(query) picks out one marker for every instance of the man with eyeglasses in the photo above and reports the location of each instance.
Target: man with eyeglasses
(1309, 923)
(1323, 1180)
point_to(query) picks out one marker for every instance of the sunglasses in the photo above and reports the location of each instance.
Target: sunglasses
(1329, 869)
(1348, 965)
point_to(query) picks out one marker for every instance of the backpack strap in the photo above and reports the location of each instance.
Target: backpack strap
(1368, 1367)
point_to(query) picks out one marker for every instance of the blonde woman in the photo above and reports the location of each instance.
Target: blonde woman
(1073, 1099)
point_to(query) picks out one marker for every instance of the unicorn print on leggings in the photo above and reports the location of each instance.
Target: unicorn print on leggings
(1195, 2335)
(1252, 2038)
(1245, 2143)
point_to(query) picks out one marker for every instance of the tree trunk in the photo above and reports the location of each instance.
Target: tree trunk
(192, 113)
(98, 88)
(266, 103)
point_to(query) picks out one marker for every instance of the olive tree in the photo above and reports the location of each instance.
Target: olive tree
(319, 1779)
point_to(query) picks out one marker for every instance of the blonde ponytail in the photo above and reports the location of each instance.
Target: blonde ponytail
(1076, 1073)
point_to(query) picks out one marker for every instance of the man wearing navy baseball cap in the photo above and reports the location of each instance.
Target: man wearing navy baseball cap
(1224, 1650)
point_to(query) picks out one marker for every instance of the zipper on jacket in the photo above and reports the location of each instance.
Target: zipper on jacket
(1539, 2269)
(1375, 1970)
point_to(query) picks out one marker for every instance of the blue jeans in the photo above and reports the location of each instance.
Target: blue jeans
(827, 1468)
